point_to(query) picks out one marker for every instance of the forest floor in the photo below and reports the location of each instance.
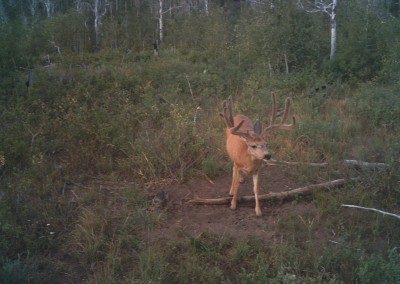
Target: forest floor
(184, 219)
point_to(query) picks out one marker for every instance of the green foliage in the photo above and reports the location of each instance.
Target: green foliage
(68, 32)
(124, 115)
(356, 265)
(268, 38)
(10, 237)
(380, 269)
(13, 271)
(362, 45)
(200, 32)
(376, 106)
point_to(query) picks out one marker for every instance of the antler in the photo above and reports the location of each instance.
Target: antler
(284, 114)
(235, 131)
(228, 112)
(228, 116)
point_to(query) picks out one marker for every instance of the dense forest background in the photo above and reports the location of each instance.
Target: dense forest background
(129, 91)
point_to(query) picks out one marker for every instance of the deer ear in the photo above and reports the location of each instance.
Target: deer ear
(257, 127)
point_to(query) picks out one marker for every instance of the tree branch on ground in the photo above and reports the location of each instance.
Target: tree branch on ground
(372, 209)
(362, 164)
(355, 163)
(286, 163)
(275, 195)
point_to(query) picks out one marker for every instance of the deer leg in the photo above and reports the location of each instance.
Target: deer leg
(255, 188)
(234, 173)
(241, 177)
(235, 186)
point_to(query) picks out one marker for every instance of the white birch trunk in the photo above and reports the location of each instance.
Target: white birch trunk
(49, 6)
(33, 5)
(99, 9)
(97, 21)
(161, 20)
(324, 6)
(333, 29)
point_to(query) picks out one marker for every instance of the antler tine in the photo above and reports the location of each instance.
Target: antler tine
(284, 114)
(235, 131)
(224, 114)
(274, 108)
(227, 113)
(286, 110)
(230, 106)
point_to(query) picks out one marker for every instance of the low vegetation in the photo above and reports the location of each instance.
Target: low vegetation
(82, 145)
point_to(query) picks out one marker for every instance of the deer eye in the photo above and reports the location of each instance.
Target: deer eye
(254, 146)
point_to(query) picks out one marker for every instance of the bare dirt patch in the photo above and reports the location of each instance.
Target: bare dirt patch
(184, 219)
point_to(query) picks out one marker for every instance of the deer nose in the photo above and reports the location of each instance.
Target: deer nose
(268, 156)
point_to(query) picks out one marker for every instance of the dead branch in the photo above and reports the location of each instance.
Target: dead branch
(190, 88)
(372, 209)
(277, 163)
(361, 164)
(355, 163)
(275, 195)
(343, 245)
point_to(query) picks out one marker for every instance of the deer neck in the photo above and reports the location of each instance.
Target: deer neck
(251, 165)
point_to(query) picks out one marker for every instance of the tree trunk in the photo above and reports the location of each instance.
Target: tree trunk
(333, 29)
(100, 9)
(97, 22)
(161, 20)
(49, 6)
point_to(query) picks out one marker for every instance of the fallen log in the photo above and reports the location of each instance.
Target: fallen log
(274, 195)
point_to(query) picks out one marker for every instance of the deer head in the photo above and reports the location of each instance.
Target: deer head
(255, 135)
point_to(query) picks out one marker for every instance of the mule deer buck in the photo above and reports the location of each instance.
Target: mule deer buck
(247, 147)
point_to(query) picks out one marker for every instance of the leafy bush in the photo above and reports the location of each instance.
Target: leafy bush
(13, 271)
(380, 269)
(376, 106)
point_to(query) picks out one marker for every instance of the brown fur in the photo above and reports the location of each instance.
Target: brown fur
(247, 148)
(246, 161)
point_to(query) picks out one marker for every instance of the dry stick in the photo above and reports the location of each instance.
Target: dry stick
(33, 134)
(362, 164)
(274, 195)
(278, 163)
(190, 88)
(355, 163)
(196, 114)
(343, 245)
(372, 209)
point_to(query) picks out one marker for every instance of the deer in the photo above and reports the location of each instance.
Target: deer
(247, 147)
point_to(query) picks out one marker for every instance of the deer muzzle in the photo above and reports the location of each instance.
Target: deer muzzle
(267, 156)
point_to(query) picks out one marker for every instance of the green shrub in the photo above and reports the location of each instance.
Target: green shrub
(376, 106)
(380, 269)
(13, 271)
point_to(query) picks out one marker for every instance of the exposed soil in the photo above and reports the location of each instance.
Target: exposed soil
(184, 219)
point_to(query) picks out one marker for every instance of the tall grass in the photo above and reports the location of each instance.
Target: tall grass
(133, 125)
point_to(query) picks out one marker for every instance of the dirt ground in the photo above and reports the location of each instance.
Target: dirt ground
(185, 219)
